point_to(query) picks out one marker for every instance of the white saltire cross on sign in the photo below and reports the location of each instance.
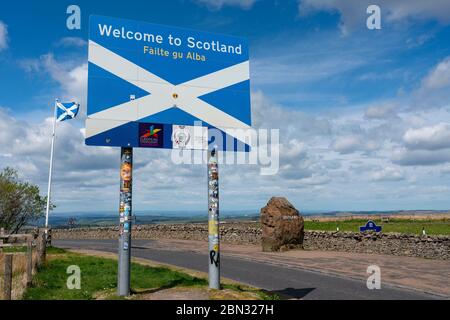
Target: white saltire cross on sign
(150, 84)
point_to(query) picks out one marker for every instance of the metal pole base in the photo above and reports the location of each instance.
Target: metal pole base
(123, 279)
(213, 220)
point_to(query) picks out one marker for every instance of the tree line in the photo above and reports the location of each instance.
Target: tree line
(20, 201)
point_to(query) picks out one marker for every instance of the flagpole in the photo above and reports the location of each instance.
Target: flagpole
(50, 169)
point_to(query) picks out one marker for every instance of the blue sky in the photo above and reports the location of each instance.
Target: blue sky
(364, 114)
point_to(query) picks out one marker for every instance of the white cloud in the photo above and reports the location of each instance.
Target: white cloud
(352, 143)
(72, 42)
(218, 4)
(353, 12)
(424, 146)
(3, 36)
(73, 78)
(434, 88)
(309, 71)
(434, 9)
(326, 160)
(315, 180)
(310, 171)
(347, 144)
(388, 174)
(293, 122)
(406, 157)
(86, 177)
(307, 61)
(70, 75)
(439, 77)
(10, 130)
(428, 138)
(294, 149)
(381, 111)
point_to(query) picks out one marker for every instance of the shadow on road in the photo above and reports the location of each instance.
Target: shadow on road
(139, 247)
(292, 293)
(153, 290)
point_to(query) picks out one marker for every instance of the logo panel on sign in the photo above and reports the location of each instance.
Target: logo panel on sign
(151, 135)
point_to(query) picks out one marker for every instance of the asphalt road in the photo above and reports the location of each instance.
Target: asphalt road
(286, 281)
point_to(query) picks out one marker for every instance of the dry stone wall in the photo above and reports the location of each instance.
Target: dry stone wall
(432, 247)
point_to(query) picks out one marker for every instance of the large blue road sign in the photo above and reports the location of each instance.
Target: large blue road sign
(157, 86)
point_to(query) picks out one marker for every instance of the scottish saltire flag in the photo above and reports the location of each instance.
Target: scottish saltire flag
(66, 111)
(144, 77)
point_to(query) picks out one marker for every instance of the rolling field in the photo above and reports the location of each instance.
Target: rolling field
(412, 226)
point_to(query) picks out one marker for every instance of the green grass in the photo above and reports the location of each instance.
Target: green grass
(99, 275)
(14, 249)
(432, 227)
(18, 249)
(262, 294)
(55, 250)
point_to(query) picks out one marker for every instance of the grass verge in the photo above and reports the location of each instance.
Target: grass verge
(99, 279)
(14, 249)
(432, 227)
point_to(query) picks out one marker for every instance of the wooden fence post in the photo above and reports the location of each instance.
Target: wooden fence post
(29, 262)
(41, 242)
(7, 283)
(37, 245)
(49, 237)
(2, 234)
(38, 249)
(44, 247)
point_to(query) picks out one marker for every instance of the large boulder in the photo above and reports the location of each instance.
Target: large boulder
(282, 226)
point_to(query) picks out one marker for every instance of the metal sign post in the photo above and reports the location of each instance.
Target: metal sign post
(213, 220)
(126, 169)
(148, 87)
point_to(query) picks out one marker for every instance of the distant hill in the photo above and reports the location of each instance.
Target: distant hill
(99, 219)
